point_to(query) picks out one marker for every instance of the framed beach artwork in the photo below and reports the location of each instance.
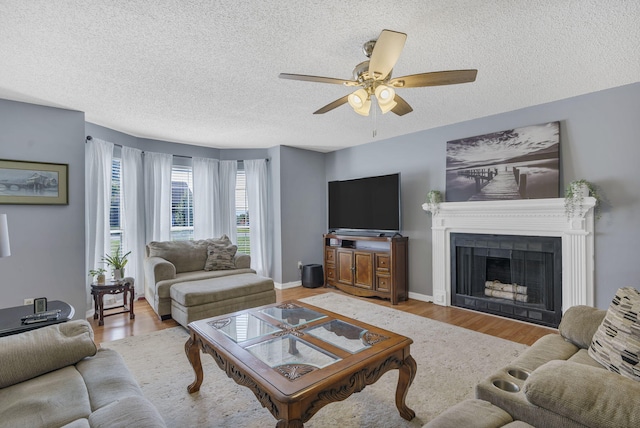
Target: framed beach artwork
(33, 183)
(519, 163)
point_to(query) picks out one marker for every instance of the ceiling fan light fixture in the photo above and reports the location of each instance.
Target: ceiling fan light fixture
(360, 102)
(385, 96)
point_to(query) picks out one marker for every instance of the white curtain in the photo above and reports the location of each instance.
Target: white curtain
(206, 222)
(227, 210)
(98, 160)
(157, 189)
(133, 236)
(257, 199)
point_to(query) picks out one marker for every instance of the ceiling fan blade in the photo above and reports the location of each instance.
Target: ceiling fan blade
(436, 78)
(402, 107)
(385, 53)
(337, 103)
(318, 79)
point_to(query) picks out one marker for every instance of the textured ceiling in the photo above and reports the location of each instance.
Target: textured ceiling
(205, 72)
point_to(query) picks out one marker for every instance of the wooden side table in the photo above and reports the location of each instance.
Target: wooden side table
(113, 287)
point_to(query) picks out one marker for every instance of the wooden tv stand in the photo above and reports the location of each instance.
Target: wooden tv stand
(368, 265)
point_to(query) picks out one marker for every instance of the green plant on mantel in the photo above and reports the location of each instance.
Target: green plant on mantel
(574, 197)
(434, 197)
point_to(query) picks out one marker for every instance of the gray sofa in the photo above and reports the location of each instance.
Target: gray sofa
(55, 377)
(178, 286)
(554, 383)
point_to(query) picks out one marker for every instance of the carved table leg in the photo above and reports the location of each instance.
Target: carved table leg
(101, 309)
(192, 350)
(407, 373)
(283, 423)
(131, 300)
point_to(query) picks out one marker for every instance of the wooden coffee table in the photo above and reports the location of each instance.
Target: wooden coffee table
(297, 358)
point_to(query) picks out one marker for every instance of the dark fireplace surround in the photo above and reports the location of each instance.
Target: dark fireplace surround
(519, 277)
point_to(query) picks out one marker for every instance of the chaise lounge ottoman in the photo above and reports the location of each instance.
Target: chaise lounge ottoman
(206, 298)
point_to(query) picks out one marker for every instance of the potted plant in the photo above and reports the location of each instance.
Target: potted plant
(574, 196)
(98, 274)
(117, 262)
(434, 197)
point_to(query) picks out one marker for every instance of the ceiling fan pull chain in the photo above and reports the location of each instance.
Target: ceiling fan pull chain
(374, 119)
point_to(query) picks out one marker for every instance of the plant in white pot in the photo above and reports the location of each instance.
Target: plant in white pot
(117, 262)
(98, 275)
(574, 196)
(434, 197)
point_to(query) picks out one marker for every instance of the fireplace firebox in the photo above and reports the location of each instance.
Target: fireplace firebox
(519, 277)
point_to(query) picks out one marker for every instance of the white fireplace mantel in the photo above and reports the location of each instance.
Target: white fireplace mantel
(527, 217)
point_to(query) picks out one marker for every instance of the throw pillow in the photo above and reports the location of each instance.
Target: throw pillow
(616, 344)
(220, 257)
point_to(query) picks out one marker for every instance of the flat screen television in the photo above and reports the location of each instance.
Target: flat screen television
(369, 204)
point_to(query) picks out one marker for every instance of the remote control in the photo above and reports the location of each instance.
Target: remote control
(42, 315)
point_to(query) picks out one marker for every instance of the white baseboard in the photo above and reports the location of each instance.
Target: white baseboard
(293, 284)
(421, 297)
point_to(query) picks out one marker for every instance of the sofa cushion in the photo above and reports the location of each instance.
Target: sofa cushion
(471, 413)
(579, 324)
(33, 353)
(163, 287)
(186, 256)
(51, 400)
(106, 377)
(616, 343)
(195, 293)
(126, 412)
(588, 395)
(220, 257)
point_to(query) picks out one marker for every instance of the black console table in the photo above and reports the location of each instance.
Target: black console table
(11, 318)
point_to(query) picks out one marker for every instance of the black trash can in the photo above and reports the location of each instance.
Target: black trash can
(312, 276)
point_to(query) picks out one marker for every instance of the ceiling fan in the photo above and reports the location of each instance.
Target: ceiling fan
(374, 78)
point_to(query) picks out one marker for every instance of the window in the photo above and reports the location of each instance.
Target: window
(181, 203)
(181, 206)
(115, 209)
(242, 212)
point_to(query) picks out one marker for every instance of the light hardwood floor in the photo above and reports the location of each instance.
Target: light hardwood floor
(120, 326)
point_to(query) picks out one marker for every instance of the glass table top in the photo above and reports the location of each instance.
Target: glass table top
(341, 334)
(291, 350)
(243, 327)
(292, 314)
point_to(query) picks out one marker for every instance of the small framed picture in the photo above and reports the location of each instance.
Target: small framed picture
(40, 305)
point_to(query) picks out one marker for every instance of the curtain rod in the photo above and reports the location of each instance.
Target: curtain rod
(89, 138)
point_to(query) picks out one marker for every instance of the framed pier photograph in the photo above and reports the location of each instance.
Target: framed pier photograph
(37, 183)
(518, 163)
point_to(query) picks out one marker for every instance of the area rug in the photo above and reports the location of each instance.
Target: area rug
(451, 360)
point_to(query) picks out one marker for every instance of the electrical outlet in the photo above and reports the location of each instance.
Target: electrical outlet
(299, 265)
(28, 301)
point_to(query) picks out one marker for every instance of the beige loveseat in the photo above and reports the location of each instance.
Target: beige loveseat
(178, 286)
(554, 383)
(55, 377)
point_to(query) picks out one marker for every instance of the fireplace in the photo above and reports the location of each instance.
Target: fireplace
(524, 218)
(518, 277)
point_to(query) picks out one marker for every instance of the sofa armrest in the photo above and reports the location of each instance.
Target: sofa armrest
(157, 269)
(591, 396)
(36, 352)
(242, 261)
(579, 324)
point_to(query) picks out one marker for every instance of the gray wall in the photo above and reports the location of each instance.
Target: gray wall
(47, 241)
(302, 209)
(599, 140)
